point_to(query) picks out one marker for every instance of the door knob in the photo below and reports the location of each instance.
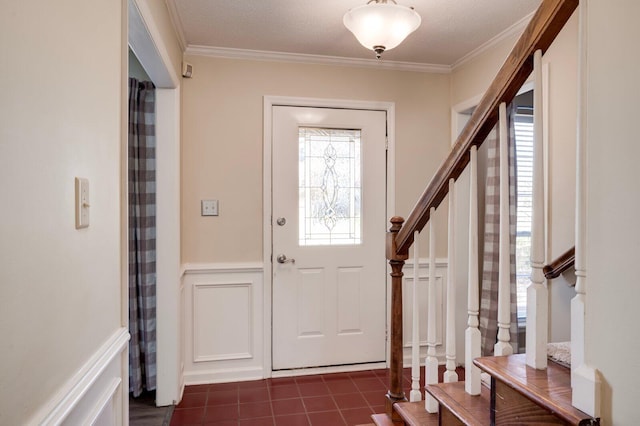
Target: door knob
(283, 259)
(281, 221)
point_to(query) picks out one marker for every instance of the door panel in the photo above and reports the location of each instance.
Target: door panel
(329, 187)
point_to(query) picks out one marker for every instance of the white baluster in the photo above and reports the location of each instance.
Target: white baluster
(416, 393)
(450, 375)
(503, 345)
(472, 333)
(585, 380)
(431, 363)
(537, 293)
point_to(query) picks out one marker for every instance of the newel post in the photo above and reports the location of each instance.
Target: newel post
(396, 261)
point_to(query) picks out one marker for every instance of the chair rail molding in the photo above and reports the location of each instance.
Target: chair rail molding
(95, 392)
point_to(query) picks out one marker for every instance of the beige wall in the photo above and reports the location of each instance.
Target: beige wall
(473, 77)
(613, 202)
(60, 117)
(563, 71)
(563, 96)
(223, 139)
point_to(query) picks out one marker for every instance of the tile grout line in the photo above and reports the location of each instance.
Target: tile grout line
(333, 397)
(306, 413)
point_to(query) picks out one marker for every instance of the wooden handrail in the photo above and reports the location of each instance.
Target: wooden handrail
(545, 25)
(560, 265)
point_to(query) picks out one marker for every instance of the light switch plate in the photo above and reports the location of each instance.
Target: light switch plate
(209, 208)
(82, 203)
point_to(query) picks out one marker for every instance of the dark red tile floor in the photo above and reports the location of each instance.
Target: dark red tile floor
(327, 400)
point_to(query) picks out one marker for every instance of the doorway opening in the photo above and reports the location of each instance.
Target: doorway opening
(149, 48)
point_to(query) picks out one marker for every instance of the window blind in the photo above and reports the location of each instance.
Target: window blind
(523, 124)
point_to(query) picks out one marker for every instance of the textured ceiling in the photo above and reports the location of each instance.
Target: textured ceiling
(450, 30)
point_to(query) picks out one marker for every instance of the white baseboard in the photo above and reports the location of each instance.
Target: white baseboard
(94, 393)
(586, 390)
(223, 375)
(329, 369)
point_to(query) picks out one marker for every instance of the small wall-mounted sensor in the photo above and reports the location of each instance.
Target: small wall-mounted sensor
(187, 70)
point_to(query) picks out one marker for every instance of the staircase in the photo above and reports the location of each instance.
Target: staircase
(519, 395)
(524, 389)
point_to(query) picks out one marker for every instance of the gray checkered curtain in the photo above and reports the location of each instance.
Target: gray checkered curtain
(489, 290)
(142, 237)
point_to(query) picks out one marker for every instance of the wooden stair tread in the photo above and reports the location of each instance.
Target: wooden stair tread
(550, 388)
(414, 414)
(471, 410)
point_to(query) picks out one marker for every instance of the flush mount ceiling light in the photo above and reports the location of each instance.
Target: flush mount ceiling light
(381, 26)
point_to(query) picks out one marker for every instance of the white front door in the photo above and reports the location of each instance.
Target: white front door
(328, 224)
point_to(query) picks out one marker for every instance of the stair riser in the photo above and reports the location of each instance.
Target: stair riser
(447, 418)
(509, 407)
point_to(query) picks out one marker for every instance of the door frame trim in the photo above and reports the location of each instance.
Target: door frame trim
(268, 103)
(145, 39)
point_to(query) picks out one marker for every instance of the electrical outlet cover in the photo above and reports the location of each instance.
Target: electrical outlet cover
(209, 208)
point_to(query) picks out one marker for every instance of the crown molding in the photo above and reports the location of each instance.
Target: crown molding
(259, 55)
(514, 29)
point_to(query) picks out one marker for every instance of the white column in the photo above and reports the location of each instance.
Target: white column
(503, 345)
(472, 333)
(450, 375)
(416, 393)
(431, 363)
(585, 380)
(537, 293)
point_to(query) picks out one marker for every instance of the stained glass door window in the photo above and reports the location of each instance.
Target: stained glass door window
(330, 186)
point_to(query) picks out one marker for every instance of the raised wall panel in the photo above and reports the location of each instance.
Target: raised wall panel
(106, 411)
(424, 306)
(311, 298)
(407, 310)
(349, 298)
(223, 323)
(222, 315)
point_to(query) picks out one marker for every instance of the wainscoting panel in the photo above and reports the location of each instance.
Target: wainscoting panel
(96, 394)
(223, 333)
(407, 296)
(230, 304)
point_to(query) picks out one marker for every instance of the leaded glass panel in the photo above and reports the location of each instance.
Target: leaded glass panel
(329, 178)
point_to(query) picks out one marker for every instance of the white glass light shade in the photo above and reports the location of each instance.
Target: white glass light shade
(381, 24)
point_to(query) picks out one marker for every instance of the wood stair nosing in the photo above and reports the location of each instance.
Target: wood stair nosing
(550, 389)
